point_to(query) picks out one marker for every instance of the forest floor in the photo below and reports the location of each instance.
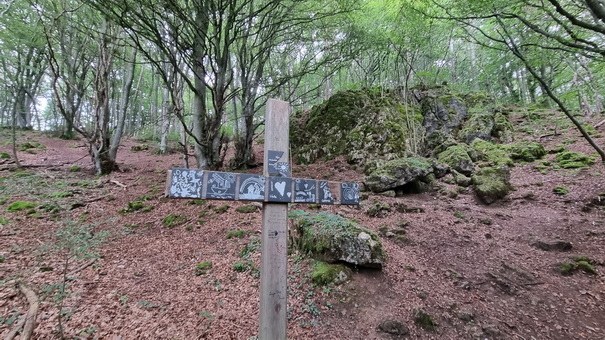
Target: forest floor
(473, 267)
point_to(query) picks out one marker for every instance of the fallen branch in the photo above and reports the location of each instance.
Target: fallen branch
(15, 330)
(119, 184)
(96, 199)
(82, 267)
(549, 135)
(600, 123)
(29, 321)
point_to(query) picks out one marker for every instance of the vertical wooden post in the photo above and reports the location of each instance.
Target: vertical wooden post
(274, 251)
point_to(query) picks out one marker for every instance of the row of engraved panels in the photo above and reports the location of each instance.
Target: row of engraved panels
(194, 183)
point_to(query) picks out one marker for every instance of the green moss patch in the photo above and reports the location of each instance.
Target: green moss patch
(573, 160)
(489, 154)
(174, 220)
(560, 190)
(247, 209)
(4, 155)
(332, 238)
(221, 209)
(203, 268)
(580, 263)
(21, 205)
(236, 233)
(491, 184)
(325, 274)
(457, 157)
(527, 151)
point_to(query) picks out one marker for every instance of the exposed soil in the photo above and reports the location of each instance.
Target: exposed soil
(471, 266)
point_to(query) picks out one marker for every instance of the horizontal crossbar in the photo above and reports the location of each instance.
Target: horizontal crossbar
(202, 184)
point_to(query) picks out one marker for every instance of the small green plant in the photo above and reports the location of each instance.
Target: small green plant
(136, 206)
(4, 155)
(560, 190)
(205, 314)
(246, 209)
(4, 220)
(174, 220)
(124, 300)
(74, 168)
(74, 241)
(459, 215)
(236, 233)
(61, 194)
(197, 202)
(203, 268)
(147, 304)
(423, 319)
(21, 205)
(580, 262)
(250, 248)
(222, 209)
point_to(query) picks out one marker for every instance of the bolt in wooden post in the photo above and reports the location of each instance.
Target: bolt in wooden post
(274, 251)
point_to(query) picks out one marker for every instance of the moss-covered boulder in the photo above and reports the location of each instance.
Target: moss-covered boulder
(479, 125)
(334, 239)
(457, 158)
(443, 114)
(492, 184)
(527, 151)
(573, 160)
(397, 173)
(326, 273)
(489, 154)
(366, 126)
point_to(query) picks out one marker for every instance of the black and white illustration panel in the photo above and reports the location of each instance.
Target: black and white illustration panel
(220, 186)
(186, 183)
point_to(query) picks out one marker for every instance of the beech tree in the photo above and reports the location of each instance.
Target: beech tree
(529, 28)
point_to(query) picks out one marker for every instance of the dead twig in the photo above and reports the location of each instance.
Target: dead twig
(600, 123)
(82, 267)
(96, 199)
(121, 185)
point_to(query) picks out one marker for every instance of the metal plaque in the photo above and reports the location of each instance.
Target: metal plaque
(280, 189)
(186, 183)
(252, 187)
(221, 186)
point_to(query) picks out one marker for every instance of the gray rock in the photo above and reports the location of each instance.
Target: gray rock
(423, 319)
(466, 314)
(332, 238)
(556, 245)
(397, 173)
(393, 327)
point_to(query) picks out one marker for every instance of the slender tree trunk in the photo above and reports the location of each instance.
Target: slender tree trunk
(123, 107)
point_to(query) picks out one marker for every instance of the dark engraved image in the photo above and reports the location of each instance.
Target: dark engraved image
(325, 193)
(186, 183)
(305, 190)
(252, 187)
(280, 189)
(349, 193)
(275, 167)
(221, 185)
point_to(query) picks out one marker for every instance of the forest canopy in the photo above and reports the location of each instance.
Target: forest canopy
(198, 73)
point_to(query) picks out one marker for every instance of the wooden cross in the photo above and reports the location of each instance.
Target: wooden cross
(275, 188)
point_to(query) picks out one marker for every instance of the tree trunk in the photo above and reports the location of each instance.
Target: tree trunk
(123, 108)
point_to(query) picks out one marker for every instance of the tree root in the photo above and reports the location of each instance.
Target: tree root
(28, 323)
